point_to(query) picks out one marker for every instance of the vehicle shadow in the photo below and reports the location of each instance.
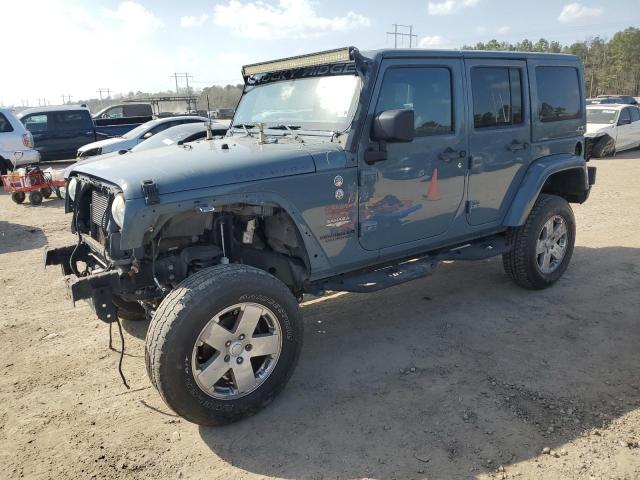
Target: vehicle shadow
(17, 238)
(136, 328)
(451, 376)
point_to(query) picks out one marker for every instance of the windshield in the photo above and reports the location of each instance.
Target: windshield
(601, 116)
(320, 103)
(139, 130)
(167, 138)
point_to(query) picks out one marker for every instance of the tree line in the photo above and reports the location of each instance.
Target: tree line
(610, 66)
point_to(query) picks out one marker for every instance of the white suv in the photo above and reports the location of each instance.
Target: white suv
(612, 128)
(16, 143)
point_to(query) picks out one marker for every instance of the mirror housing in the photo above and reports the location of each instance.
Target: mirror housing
(394, 126)
(147, 135)
(122, 152)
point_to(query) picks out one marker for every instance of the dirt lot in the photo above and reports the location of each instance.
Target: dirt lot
(460, 375)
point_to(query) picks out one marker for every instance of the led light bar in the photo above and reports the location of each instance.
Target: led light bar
(320, 58)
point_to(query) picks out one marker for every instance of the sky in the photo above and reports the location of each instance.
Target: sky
(75, 47)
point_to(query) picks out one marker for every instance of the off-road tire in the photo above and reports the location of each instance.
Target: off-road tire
(129, 311)
(35, 197)
(520, 263)
(604, 147)
(181, 317)
(46, 192)
(18, 197)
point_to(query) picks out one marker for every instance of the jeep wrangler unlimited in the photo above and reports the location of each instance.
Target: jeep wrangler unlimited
(344, 171)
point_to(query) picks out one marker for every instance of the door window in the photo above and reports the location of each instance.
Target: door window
(426, 90)
(635, 114)
(5, 126)
(497, 96)
(36, 123)
(558, 93)
(625, 117)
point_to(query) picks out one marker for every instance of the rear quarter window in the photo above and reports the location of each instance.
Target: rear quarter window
(5, 125)
(558, 90)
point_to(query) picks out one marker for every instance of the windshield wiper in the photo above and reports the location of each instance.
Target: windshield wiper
(245, 127)
(290, 129)
(285, 127)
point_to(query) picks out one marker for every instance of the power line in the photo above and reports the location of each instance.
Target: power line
(402, 34)
(104, 90)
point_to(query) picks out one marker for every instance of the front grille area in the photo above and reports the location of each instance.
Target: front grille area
(99, 214)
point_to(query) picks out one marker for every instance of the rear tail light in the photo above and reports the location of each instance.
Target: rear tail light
(27, 140)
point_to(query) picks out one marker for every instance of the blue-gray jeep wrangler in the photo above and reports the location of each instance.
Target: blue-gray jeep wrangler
(342, 170)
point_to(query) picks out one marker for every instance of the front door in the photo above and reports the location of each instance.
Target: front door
(499, 136)
(624, 138)
(415, 192)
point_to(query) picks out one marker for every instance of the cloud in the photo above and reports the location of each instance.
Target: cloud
(193, 21)
(434, 41)
(285, 19)
(113, 47)
(575, 11)
(504, 30)
(448, 7)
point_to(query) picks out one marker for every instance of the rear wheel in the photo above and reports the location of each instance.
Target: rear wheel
(224, 343)
(543, 246)
(18, 197)
(35, 197)
(46, 192)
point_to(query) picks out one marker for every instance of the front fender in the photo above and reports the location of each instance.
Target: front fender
(534, 179)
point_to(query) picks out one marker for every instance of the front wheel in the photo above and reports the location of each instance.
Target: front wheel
(223, 343)
(543, 246)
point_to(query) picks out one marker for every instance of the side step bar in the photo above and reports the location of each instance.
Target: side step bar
(414, 268)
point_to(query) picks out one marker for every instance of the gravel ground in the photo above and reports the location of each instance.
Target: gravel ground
(459, 375)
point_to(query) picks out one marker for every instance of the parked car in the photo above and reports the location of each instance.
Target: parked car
(135, 136)
(16, 143)
(220, 241)
(118, 119)
(178, 135)
(612, 128)
(58, 131)
(125, 110)
(609, 99)
(222, 114)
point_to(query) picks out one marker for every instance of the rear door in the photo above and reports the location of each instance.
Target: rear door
(624, 138)
(499, 136)
(415, 192)
(635, 126)
(74, 129)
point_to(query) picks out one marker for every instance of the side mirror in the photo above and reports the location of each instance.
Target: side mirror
(147, 135)
(122, 152)
(394, 126)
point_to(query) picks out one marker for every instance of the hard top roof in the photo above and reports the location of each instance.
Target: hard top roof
(52, 108)
(427, 53)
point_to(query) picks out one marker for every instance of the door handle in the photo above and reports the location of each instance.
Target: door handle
(515, 146)
(450, 154)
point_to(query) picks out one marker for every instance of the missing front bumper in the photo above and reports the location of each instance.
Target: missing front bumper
(97, 289)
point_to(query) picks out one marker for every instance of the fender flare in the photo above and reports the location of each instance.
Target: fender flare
(534, 179)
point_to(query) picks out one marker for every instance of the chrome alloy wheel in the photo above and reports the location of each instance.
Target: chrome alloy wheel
(551, 246)
(236, 351)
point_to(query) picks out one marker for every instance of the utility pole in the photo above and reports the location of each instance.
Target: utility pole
(184, 75)
(68, 98)
(402, 34)
(104, 90)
